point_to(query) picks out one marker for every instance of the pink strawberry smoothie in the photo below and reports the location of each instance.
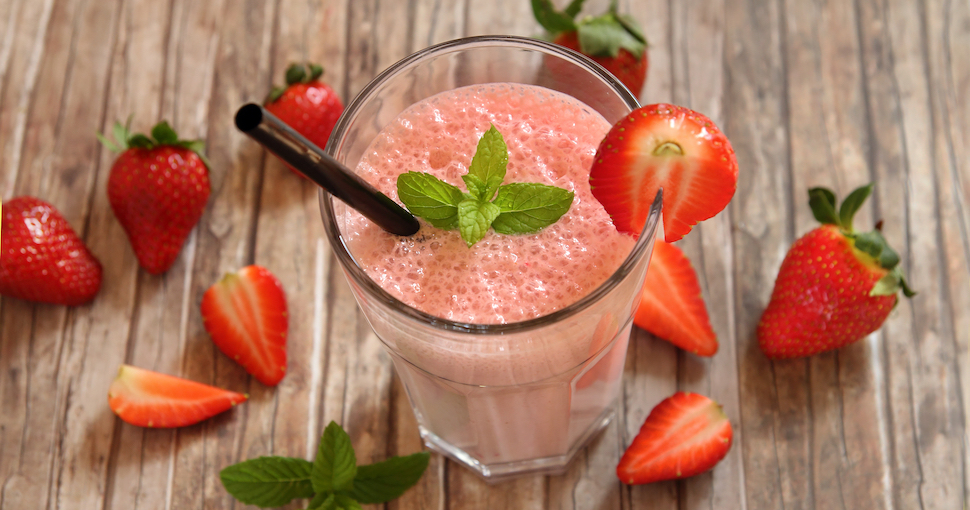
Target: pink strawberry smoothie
(512, 397)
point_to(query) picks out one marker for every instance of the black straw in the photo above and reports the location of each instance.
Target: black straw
(310, 160)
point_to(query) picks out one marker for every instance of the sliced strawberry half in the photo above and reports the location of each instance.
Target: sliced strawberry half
(684, 435)
(150, 399)
(245, 314)
(670, 147)
(671, 306)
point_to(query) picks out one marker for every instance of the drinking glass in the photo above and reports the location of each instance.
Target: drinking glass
(501, 399)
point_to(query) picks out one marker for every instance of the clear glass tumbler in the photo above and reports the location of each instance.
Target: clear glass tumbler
(502, 399)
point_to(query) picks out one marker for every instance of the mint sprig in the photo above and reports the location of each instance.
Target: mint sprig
(515, 208)
(333, 481)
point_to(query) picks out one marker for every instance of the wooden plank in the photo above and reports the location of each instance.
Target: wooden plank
(829, 139)
(151, 324)
(754, 116)
(949, 56)
(241, 37)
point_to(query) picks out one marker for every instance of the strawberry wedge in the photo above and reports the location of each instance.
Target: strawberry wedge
(671, 306)
(669, 147)
(684, 435)
(150, 399)
(245, 314)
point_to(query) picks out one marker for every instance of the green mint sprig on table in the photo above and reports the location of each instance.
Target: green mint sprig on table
(516, 208)
(333, 481)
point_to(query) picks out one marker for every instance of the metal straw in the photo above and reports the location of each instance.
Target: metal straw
(310, 160)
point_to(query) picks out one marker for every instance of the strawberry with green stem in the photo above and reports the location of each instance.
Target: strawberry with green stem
(613, 40)
(306, 103)
(158, 188)
(835, 285)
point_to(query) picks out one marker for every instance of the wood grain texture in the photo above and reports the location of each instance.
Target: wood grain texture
(809, 92)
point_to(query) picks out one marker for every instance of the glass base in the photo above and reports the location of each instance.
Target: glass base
(499, 472)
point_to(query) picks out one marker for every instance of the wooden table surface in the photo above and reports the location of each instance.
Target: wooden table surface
(835, 93)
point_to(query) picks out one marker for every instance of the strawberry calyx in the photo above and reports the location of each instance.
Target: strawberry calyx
(870, 247)
(296, 73)
(162, 134)
(599, 36)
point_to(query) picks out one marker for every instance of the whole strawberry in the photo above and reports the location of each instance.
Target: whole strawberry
(158, 188)
(612, 40)
(306, 104)
(835, 285)
(42, 258)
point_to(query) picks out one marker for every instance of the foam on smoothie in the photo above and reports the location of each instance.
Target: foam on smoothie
(551, 139)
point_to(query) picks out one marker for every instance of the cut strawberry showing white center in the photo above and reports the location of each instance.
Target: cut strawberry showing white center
(670, 147)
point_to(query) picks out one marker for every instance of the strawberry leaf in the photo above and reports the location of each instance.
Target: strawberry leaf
(852, 204)
(316, 71)
(605, 36)
(164, 134)
(874, 244)
(552, 20)
(296, 73)
(822, 203)
(140, 141)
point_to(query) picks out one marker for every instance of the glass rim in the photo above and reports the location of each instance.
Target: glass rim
(375, 291)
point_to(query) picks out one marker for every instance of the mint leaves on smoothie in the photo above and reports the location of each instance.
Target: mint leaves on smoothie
(516, 208)
(333, 481)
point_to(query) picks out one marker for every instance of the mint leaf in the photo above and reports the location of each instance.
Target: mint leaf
(345, 502)
(268, 481)
(383, 481)
(474, 218)
(323, 501)
(336, 464)
(529, 207)
(487, 170)
(430, 198)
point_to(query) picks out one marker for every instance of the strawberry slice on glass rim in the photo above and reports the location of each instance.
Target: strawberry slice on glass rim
(670, 147)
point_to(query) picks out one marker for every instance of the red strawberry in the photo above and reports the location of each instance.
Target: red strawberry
(684, 435)
(835, 285)
(42, 259)
(672, 307)
(614, 41)
(245, 314)
(158, 188)
(306, 104)
(669, 147)
(150, 399)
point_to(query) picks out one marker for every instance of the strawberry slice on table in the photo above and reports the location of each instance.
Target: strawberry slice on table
(671, 306)
(670, 147)
(835, 285)
(150, 399)
(41, 257)
(245, 314)
(684, 435)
